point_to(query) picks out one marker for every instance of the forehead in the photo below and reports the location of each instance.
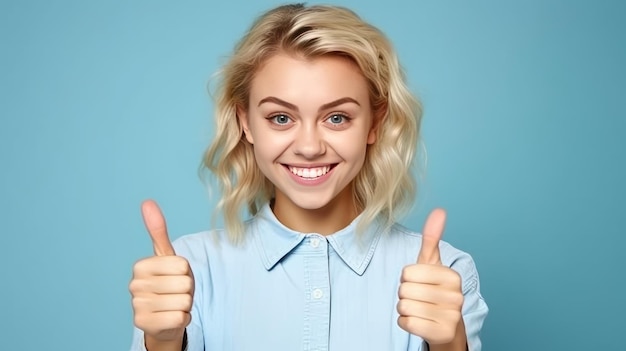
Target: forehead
(319, 79)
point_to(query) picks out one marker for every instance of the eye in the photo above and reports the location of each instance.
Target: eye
(337, 119)
(280, 119)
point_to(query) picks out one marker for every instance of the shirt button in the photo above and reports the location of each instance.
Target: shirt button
(315, 242)
(318, 293)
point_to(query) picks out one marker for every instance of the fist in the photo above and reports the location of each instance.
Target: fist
(162, 286)
(430, 295)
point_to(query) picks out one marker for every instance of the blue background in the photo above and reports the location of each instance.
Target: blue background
(104, 104)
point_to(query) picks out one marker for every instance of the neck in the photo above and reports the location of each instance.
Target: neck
(336, 215)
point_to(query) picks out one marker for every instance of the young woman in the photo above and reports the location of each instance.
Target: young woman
(316, 133)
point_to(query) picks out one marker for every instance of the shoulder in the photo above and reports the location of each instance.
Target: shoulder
(459, 260)
(214, 243)
(202, 247)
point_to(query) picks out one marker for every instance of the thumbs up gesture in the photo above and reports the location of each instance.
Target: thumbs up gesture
(162, 287)
(430, 296)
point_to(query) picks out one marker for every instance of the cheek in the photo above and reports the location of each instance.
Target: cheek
(352, 146)
(269, 146)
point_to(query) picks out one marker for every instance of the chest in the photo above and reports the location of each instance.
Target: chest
(311, 300)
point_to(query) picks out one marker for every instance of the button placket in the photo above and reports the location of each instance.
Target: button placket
(317, 305)
(314, 242)
(317, 293)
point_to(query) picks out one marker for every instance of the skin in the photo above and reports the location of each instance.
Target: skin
(310, 113)
(304, 114)
(430, 296)
(162, 287)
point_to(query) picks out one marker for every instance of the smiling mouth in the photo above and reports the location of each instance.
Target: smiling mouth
(310, 172)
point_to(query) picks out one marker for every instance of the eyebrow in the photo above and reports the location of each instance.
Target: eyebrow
(291, 106)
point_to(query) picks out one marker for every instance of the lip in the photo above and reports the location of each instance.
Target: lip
(309, 181)
(309, 165)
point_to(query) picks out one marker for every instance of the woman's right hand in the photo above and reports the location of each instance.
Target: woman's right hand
(162, 288)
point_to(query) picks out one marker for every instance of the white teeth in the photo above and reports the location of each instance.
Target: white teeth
(309, 172)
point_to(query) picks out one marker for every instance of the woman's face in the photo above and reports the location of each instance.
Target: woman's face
(309, 121)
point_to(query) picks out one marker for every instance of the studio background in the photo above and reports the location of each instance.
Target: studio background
(104, 104)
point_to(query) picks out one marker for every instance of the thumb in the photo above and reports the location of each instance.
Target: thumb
(432, 233)
(155, 224)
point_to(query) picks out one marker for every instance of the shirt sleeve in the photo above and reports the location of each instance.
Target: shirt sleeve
(138, 343)
(195, 340)
(474, 306)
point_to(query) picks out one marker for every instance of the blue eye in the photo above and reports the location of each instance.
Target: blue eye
(280, 119)
(337, 119)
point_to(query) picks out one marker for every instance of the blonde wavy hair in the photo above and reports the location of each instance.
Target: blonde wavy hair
(385, 187)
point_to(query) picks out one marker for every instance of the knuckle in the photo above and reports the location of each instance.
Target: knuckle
(136, 286)
(179, 319)
(188, 283)
(456, 279)
(402, 323)
(187, 302)
(406, 324)
(137, 321)
(458, 299)
(402, 290)
(456, 318)
(412, 324)
(132, 286)
(181, 265)
(141, 266)
(140, 321)
(406, 271)
(402, 307)
(139, 304)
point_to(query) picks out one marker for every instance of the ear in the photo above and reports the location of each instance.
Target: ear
(379, 117)
(242, 116)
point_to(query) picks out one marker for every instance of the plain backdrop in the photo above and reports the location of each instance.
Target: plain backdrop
(105, 103)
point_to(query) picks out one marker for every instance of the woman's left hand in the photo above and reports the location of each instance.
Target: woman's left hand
(430, 293)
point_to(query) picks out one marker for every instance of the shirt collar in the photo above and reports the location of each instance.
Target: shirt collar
(356, 249)
(275, 241)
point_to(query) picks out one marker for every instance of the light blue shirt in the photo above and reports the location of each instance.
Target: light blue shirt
(284, 290)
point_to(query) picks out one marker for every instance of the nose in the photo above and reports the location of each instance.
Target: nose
(309, 142)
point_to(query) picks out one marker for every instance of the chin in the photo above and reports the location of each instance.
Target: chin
(315, 198)
(312, 205)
